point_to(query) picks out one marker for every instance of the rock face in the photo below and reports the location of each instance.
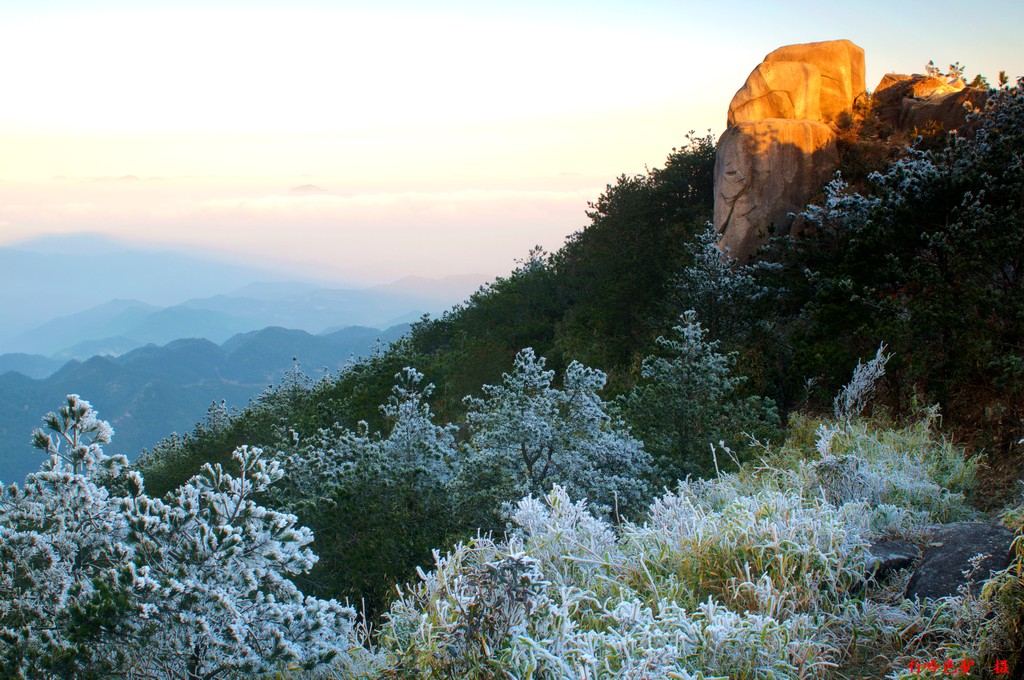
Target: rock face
(779, 149)
(782, 89)
(948, 555)
(764, 171)
(841, 64)
(946, 111)
(904, 102)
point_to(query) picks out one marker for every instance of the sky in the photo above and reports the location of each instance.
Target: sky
(370, 141)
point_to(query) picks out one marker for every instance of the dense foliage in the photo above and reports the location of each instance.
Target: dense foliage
(751, 575)
(929, 260)
(551, 304)
(686, 403)
(525, 435)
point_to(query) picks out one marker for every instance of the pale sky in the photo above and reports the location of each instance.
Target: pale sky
(368, 141)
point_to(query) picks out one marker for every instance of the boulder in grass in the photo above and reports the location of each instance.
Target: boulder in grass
(958, 555)
(892, 555)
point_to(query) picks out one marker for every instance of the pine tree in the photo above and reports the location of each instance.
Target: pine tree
(96, 581)
(526, 434)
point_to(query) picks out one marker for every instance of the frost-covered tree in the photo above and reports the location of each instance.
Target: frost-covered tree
(687, 402)
(724, 293)
(415, 447)
(194, 585)
(62, 543)
(526, 434)
(379, 502)
(211, 576)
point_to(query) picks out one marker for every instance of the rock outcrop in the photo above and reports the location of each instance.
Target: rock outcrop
(946, 112)
(917, 102)
(764, 171)
(814, 81)
(895, 87)
(947, 563)
(782, 89)
(841, 64)
(779, 148)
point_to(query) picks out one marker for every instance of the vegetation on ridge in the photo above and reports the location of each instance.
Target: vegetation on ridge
(755, 566)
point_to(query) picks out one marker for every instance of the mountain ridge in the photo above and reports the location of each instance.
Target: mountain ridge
(77, 277)
(153, 390)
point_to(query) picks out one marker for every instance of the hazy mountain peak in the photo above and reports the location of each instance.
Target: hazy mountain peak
(307, 190)
(90, 244)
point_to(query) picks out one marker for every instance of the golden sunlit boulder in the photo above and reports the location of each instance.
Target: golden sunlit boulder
(813, 81)
(888, 96)
(841, 64)
(779, 147)
(764, 171)
(781, 89)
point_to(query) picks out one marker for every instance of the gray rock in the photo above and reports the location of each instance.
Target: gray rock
(948, 556)
(889, 556)
(946, 112)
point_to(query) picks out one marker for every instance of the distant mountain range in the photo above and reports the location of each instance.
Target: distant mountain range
(53, 276)
(82, 295)
(151, 391)
(106, 320)
(118, 326)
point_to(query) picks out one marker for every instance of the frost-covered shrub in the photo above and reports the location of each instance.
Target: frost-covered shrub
(197, 584)
(855, 395)
(911, 468)
(896, 638)
(571, 545)
(712, 585)
(526, 434)
(664, 640)
(459, 619)
(771, 552)
(885, 480)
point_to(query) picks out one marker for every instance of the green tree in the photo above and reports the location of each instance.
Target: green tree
(687, 402)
